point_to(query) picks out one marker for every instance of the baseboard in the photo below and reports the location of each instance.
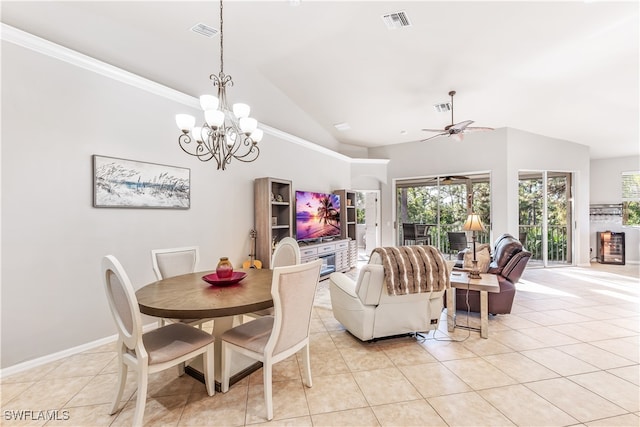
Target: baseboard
(40, 361)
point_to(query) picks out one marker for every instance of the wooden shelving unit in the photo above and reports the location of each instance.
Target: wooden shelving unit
(274, 203)
(347, 214)
(348, 221)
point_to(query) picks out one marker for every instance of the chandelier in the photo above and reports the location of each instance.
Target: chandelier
(227, 133)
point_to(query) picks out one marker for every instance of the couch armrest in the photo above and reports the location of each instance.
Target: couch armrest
(344, 284)
(515, 267)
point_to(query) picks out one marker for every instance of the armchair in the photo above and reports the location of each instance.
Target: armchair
(509, 260)
(365, 308)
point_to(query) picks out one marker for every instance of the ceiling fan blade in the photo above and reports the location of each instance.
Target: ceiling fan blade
(477, 129)
(433, 130)
(434, 136)
(461, 125)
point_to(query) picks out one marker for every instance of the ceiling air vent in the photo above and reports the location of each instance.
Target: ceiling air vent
(396, 20)
(205, 30)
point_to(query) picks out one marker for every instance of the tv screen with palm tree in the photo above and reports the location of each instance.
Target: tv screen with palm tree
(317, 215)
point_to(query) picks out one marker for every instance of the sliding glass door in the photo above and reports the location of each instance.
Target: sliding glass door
(443, 203)
(546, 212)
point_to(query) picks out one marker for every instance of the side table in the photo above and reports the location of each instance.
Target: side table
(487, 283)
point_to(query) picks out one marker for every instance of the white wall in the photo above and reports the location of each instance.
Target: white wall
(528, 151)
(54, 117)
(502, 152)
(606, 187)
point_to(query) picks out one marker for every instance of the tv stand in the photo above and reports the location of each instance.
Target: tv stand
(334, 255)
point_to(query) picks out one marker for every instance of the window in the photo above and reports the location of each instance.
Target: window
(631, 198)
(443, 202)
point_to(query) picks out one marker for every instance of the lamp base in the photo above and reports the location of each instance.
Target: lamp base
(474, 273)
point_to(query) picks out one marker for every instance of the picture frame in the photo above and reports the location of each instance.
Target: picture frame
(123, 183)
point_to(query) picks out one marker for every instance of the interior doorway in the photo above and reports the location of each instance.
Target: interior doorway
(367, 222)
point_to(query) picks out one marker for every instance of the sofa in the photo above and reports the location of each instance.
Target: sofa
(508, 261)
(365, 308)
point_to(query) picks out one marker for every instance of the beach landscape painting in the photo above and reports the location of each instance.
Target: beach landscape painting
(121, 183)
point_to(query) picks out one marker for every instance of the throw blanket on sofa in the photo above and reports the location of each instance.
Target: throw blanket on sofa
(413, 269)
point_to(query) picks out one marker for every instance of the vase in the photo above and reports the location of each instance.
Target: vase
(224, 270)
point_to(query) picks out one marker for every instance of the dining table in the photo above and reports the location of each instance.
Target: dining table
(189, 296)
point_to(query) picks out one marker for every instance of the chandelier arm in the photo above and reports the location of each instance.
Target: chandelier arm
(254, 151)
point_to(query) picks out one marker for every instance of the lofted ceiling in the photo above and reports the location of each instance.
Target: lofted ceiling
(567, 70)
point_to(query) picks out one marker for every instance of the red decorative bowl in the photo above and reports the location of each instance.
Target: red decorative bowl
(215, 280)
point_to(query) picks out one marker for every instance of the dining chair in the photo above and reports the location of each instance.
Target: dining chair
(414, 233)
(151, 352)
(175, 262)
(271, 339)
(457, 242)
(287, 252)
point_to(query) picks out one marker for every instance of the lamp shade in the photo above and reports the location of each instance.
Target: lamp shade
(473, 223)
(185, 122)
(248, 125)
(256, 135)
(214, 118)
(241, 110)
(208, 102)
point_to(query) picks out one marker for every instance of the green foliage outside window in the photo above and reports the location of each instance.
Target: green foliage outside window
(425, 204)
(631, 213)
(631, 199)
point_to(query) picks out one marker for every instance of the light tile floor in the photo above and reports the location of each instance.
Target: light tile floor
(568, 354)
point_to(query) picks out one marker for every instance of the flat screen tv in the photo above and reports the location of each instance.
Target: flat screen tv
(317, 215)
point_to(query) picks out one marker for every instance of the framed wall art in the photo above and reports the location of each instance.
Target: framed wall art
(121, 183)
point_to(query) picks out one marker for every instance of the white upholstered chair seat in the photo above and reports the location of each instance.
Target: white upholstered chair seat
(271, 339)
(252, 335)
(172, 341)
(151, 352)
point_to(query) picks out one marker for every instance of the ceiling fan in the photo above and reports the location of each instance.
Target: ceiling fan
(455, 130)
(449, 179)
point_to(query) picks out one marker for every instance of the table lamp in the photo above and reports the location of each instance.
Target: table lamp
(473, 224)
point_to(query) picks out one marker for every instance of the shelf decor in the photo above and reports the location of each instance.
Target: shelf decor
(120, 183)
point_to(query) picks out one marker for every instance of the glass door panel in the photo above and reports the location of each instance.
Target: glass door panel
(545, 216)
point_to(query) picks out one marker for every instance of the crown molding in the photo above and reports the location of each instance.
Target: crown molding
(45, 47)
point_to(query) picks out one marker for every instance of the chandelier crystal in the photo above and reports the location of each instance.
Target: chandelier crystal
(227, 133)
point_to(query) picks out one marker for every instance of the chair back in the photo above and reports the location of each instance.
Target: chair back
(457, 241)
(293, 289)
(505, 248)
(122, 302)
(174, 261)
(408, 231)
(287, 253)
(516, 265)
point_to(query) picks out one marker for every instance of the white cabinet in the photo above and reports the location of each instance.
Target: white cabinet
(334, 255)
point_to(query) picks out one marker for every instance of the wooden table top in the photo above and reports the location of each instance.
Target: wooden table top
(190, 297)
(487, 282)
